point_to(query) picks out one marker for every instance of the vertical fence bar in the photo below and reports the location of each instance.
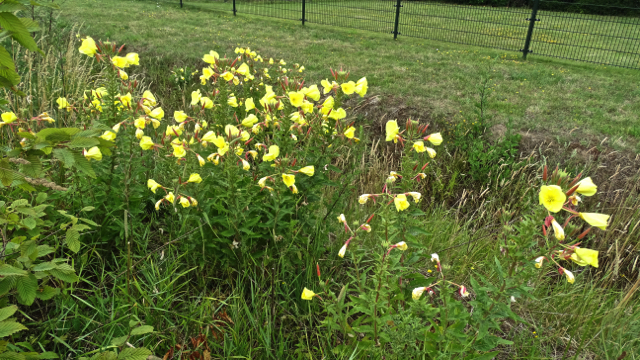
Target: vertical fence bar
(180, 3)
(303, 12)
(234, 8)
(395, 26)
(532, 22)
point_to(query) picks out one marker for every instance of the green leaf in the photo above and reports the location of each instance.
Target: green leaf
(18, 31)
(65, 273)
(47, 293)
(34, 168)
(10, 355)
(7, 312)
(83, 142)
(119, 341)
(31, 25)
(7, 284)
(88, 208)
(144, 329)
(42, 197)
(90, 222)
(108, 355)
(134, 354)
(82, 164)
(5, 59)
(45, 266)
(8, 270)
(73, 239)
(11, 7)
(26, 287)
(29, 222)
(48, 355)
(9, 327)
(57, 134)
(65, 156)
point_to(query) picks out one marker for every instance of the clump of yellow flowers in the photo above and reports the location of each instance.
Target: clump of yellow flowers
(562, 194)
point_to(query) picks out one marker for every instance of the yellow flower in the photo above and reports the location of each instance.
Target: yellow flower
(570, 278)
(361, 87)
(232, 101)
(308, 170)
(587, 187)
(179, 151)
(263, 181)
(363, 198)
(401, 202)
(108, 136)
(125, 99)
(539, 261)
(338, 114)
(185, 202)
(148, 99)
(307, 294)
(327, 86)
(273, 153)
(348, 88)
(231, 131)
(88, 47)
(207, 73)
(195, 97)
(157, 113)
(243, 70)
(597, 220)
(415, 195)
(62, 103)
(288, 179)
(120, 61)
(123, 75)
(435, 139)
(557, 230)
(249, 104)
(170, 197)
(139, 134)
(210, 136)
(200, 160)
(294, 189)
(214, 158)
(146, 143)
(392, 130)
(158, 204)
(366, 227)
(296, 98)
(328, 102)
(195, 178)
(343, 251)
(431, 152)
(173, 130)
(584, 257)
(194, 202)
(418, 146)
(417, 293)
(245, 165)
(133, 59)
(227, 76)
(10, 117)
(307, 107)
(153, 186)
(140, 123)
(552, 197)
(93, 154)
(312, 92)
(350, 132)
(211, 57)
(180, 116)
(401, 246)
(249, 121)
(239, 151)
(206, 102)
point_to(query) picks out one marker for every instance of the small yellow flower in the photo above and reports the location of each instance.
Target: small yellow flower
(350, 132)
(9, 117)
(206, 102)
(435, 139)
(307, 294)
(417, 293)
(201, 160)
(401, 202)
(194, 178)
(343, 251)
(296, 98)
(195, 97)
(348, 88)
(227, 76)
(243, 69)
(552, 197)
(211, 57)
(185, 202)
(312, 92)
(263, 181)
(62, 103)
(125, 99)
(146, 143)
(93, 154)
(140, 123)
(338, 114)
(288, 179)
(392, 130)
(152, 185)
(418, 146)
(431, 152)
(584, 257)
(558, 231)
(232, 101)
(597, 220)
(363, 198)
(586, 187)
(139, 134)
(194, 202)
(231, 131)
(157, 113)
(294, 189)
(108, 136)
(148, 99)
(123, 75)
(158, 204)
(361, 87)
(88, 47)
(401, 246)
(179, 151)
(170, 197)
(132, 59)
(120, 62)
(570, 277)
(249, 104)
(245, 165)
(249, 121)
(273, 153)
(415, 195)
(308, 170)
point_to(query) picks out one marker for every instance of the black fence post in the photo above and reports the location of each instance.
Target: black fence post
(234, 8)
(395, 26)
(303, 12)
(180, 3)
(532, 22)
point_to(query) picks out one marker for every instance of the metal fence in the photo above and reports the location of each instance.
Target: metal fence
(530, 29)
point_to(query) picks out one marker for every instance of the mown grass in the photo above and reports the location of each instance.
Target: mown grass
(563, 100)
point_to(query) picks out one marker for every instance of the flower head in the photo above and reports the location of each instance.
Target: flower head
(170, 197)
(146, 143)
(120, 61)
(415, 195)
(308, 170)
(363, 198)
(366, 227)
(93, 154)
(597, 220)
(88, 47)
(435, 139)
(153, 186)
(392, 130)
(419, 147)
(463, 291)
(157, 113)
(249, 104)
(343, 251)
(307, 294)
(288, 179)
(552, 197)
(348, 88)
(273, 153)
(584, 257)
(62, 103)
(401, 246)
(401, 202)
(586, 187)
(417, 292)
(435, 258)
(557, 230)
(539, 261)
(296, 98)
(350, 132)
(195, 178)
(245, 165)
(569, 275)
(179, 116)
(185, 202)
(9, 117)
(361, 87)
(133, 59)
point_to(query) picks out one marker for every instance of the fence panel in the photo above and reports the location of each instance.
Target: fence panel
(494, 27)
(370, 15)
(602, 39)
(283, 9)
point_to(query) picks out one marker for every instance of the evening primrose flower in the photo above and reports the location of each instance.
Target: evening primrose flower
(392, 130)
(415, 195)
(435, 139)
(417, 292)
(308, 170)
(435, 258)
(348, 88)
(419, 147)
(206, 102)
(88, 47)
(307, 107)
(366, 227)
(307, 294)
(338, 114)
(273, 153)
(463, 291)
(133, 59)
(120, 62)
(153, 185)
(361, 87)
(343, 251)
(123, 75)
(158, 204)
(570, 277)
(200, 160)
(431, 152)
(62, 103)
(170, 197)
(245, 165)
(597, 220)
(363, 198)
(227, 76)
(253, 153)
(586, 187)
(180, 116)
(108, 136)
(327, 86)
(195, 97)
(243, 69)
(294, 189)
(312, 92)
(9, 117)
(401, 202)
(146, 143)
(232, 101)
(93, 154)
(231, 131)
(249, 121)
(140, 123)
(296, 98)
(179, 151)
(211, 57)
(584, 257)
(249, 104)
(401, 246)
(288, 179)
(263, 181)
(552, 197)
(350, 132)
(139, 134)
(539, 261)
(557, 230)
(148, 99)
(194, 178)
(185, 202)
(157, 113)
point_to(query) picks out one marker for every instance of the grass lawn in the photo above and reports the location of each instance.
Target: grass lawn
(563, 100)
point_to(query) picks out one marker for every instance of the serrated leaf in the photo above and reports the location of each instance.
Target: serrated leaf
(9, 327)
(7, 312)
(5, 58)
(90, 222)
(11, 7)
(34, 168)
(83, 142)
(31, 25)
(57, 134)
(119, 341)
(8, 270)
(134, 354)
(108, 355)
(26, 287)
(7, 284)
(64, 155)
(42, 197)
(45, 266)
(10, 355)
(144, 329)
(18, 31)
(48, 355)
(29, 222)
(73, 239)
(47, 292)
(82, 164)
(19, 203)
(64, 273)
